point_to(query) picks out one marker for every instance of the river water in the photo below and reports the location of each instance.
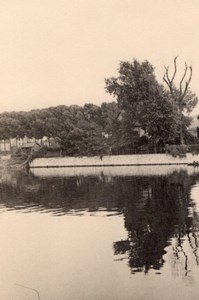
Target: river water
(99, 233)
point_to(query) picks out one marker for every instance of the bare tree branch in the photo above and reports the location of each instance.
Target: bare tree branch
(164, 78)
(167, 75)
(167, 79)
(187, 83)
(190, 77)
(179, 93)
(175, 69)
(183, 77)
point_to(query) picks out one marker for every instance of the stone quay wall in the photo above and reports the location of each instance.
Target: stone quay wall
(115, 160)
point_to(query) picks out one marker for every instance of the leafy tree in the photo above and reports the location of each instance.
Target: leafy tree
(37, 125)
(10, 126)
(109, 113)
(143, 102)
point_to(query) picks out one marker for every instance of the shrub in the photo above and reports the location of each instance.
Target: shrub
(194, 149)
(177, 150)
(19, 154)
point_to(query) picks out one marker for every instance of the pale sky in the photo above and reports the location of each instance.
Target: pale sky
(56, 52)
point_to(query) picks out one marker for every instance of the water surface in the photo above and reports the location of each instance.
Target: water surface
(117, 233)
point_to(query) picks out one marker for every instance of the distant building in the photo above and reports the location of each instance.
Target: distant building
(27, 144)
(28, 147)
(18, 143)
(5, 146)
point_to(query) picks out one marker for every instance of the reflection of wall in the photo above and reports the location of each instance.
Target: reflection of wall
(113, 171)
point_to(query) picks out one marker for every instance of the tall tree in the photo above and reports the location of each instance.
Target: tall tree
(142, 100)
(181, 94)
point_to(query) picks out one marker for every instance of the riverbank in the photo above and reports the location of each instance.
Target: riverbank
(9, 162)
(115, 160)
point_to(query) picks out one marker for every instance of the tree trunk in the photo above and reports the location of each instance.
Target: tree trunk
(154, 146)
(181, 134)
(181, 128)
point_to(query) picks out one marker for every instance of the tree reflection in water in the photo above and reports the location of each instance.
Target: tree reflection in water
(158, 210)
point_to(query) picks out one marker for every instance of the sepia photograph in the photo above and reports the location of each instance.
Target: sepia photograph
(99, 150)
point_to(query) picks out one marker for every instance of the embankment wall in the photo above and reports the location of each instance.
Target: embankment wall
(116, 160)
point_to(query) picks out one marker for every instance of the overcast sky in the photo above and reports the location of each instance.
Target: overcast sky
(59, 51)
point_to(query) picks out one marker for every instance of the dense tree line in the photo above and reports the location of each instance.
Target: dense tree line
(78, 130)
(142, 103)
